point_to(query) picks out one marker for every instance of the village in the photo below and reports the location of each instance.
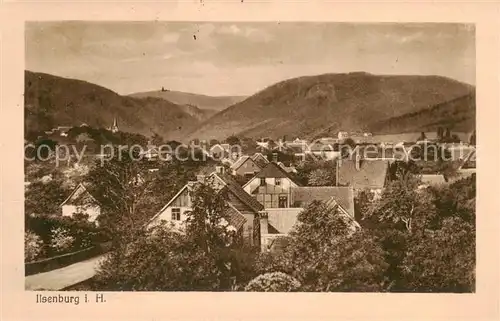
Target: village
(266, 183)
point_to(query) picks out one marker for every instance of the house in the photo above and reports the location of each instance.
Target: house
(271, 186)
(323, 151)
(362, 174)
(81, 201)
(260, 159)
(328, 140)
(241, 212)
(276, 221)
(432, 180)
(154, 153)
(289, 169)
(342, 135)
(220, 151)
(245, 166)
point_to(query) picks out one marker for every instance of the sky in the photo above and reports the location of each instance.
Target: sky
(242, 58)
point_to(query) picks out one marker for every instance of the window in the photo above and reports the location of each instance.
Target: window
(176, 214)
(277, 181)
(283, 202)
(262, 181)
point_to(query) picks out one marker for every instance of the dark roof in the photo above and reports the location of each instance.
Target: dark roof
(260, 159)
(372, 173)
(332, 203)
(343, 195)
(240, 193)
(234, 217)
(270, 189)
(273, 170)
(241, 161)
(85, 197)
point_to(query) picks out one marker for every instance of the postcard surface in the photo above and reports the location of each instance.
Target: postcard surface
(207, 162)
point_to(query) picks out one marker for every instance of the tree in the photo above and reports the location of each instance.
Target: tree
(442, 260)
(273, 282)
(205, 256)
(306, 168)
(160, 261)
(472, 139)
(33, 246)
(402, 203)
(233, 140)
(124, 189)
(157, 140)
(45, 197)
(440, 133)
(447, 134)
(322, 177)
(327, 252)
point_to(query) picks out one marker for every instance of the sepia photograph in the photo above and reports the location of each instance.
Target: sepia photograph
(218, 156)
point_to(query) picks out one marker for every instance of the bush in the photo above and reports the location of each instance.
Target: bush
(84, 233)
(273, 282)
(33, 246)
(61, 241)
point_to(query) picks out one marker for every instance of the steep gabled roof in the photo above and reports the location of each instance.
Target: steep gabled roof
(241, 161)
(272, 170)
(239, 192)
(231, 214)
(372, 173)
(344, 196)
(349, 219)
(234, 217)
(75, 196)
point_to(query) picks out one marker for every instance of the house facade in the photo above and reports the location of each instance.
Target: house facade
(241, 212)
(81, 201)
(245, 166)
(271, 186)
(363, 174)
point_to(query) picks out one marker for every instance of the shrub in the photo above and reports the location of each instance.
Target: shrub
(33, 246)
(61, 240)
(85, 233)
(273, 282)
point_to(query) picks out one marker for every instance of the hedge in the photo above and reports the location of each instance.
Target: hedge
(60, 261)
(84, 232)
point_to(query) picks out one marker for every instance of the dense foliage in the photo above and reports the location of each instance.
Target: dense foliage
(273, 282)
(205, 256)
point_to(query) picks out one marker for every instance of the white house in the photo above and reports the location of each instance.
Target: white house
(241, 212)
(81, 201)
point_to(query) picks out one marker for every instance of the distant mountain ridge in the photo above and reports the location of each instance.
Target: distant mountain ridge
(313, 106)
(307, 107)
(212, 103)
(52, 101)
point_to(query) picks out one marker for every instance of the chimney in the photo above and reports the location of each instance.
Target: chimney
(263, 220)
(275, 158)
(358, 161)
(219, 169)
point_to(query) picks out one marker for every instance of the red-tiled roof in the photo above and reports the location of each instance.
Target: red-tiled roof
(371, 174)
(301, 196)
